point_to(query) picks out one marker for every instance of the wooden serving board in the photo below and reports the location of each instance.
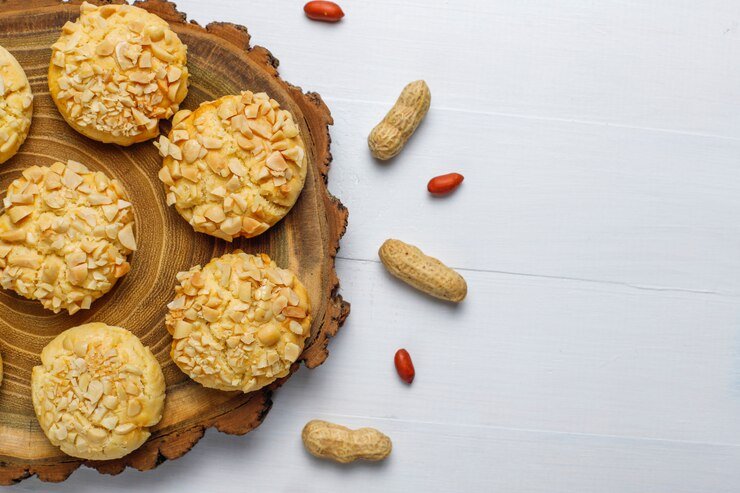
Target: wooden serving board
(221, 62)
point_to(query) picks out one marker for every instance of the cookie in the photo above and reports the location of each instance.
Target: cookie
(65, 235)
(116, 71)
(235, 166)
(238, 323)
(97, 391)
(16, 105)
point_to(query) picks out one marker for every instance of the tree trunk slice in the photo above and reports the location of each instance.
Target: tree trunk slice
(221, 62)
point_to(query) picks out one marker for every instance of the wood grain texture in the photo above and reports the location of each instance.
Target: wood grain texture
(221, 62)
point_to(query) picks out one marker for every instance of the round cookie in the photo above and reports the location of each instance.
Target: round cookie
(116, 71)
(97, 391)
(16, 105)
(235, 166)
(65, 234)
(238, 323)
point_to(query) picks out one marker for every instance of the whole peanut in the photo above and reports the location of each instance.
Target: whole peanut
(339, 443)
(319, 10)
(390, 135)
(443, 184)
(404, 365)
(423, 272)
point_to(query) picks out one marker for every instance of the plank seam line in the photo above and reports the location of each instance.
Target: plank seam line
(538, 430)
(548, 119)
(566, 278)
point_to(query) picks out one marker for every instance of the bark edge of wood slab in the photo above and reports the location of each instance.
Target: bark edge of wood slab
(221, 61)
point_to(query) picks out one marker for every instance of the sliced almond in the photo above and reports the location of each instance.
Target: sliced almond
(245, 292)
(19, 212)
(124, 428)
(276, 162)
(145, 60)
(159, 51)
(175, 152)
(164, 176)
(231, 226)
(180, 135)
(226, 109)
(13, 235)
(294, 312)
(77, 274)
(244, 142)
(236, 167)
(133, 408)
(126, 237)
(251, 225)
(71, 180)
(173, 74)
(295, 327)
(212, 143)
(215, 213)
(104, 48)
(209, 314)
(292, 351)
(261, 127)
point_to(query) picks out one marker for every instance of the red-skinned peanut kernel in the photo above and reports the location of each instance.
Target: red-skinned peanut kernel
(404, 366)
(323, 11)
(444, 183)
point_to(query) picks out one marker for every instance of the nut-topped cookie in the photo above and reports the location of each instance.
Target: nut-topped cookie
(65, 235)
(16, 105)
(97, 391)
(116, 71)
(235, 166)
(238, 323)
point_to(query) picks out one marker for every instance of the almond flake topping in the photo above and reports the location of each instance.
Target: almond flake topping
(226, 322)
(114, 71)
(97, 391)
(66, 233)
(15, 105)
(235, 166)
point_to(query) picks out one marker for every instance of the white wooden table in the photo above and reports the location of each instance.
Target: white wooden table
(598, 228)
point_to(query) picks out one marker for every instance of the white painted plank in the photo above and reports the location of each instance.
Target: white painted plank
(663, 64)
(548, 198)
(430, 457)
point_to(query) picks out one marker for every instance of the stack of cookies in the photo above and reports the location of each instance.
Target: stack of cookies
(232, 168)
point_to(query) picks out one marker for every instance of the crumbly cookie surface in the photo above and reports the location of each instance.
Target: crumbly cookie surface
(65, 235)
(97, 391)
(238, 323)
(116, 71)
(235, 166)
(16, 105)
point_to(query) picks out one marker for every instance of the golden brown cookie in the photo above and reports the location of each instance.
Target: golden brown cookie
(16, 105)
(235, 166)
(97, 391)
(238, 323)
(116, 71)
(65, 234)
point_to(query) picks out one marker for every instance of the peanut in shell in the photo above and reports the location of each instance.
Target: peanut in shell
(391, 134)
(425, 273)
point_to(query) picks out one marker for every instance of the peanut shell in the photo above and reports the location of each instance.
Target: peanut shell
(421, 271)
(390, 135)
(341, 444)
